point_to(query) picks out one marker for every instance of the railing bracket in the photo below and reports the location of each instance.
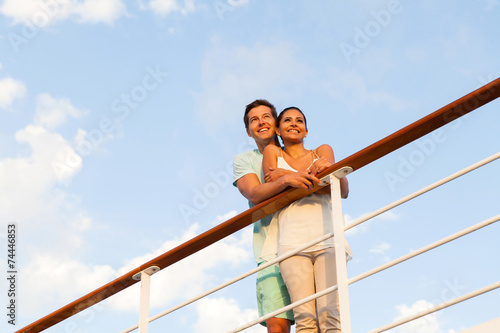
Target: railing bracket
(150, 271)
(340, 173)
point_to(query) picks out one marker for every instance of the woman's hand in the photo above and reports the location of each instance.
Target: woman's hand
(275, 173)
(320, 165)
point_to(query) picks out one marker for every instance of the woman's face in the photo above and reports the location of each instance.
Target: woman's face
(292, 127)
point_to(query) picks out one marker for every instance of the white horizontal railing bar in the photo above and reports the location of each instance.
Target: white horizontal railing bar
(424, 190)
(438, 307)
(375, 270)
(352, 225)
(286, 308)
(236, 279)
(426, 248)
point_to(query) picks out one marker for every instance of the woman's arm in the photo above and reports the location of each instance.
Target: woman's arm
(274, 173)
(326, 160)
(270, 157)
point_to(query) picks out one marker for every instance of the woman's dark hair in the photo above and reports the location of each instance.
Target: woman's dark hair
(280, 117)
(256, 103)
(282, 113)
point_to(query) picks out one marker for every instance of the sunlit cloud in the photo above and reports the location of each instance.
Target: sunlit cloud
(381, 249)
(10, 90)
(427, 324)
(196, 271)
(51, 112)
(166, 7)
(41, 13)
(217, 315)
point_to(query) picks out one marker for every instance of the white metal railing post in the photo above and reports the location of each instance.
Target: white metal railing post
(340, 245)
(145, 278)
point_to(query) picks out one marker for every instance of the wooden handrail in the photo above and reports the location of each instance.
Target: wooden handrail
(419, 128)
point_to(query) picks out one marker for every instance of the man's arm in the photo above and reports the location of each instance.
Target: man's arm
(251, 188)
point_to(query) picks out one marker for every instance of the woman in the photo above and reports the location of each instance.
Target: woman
(304, 220)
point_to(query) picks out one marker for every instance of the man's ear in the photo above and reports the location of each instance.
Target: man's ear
(248, 132)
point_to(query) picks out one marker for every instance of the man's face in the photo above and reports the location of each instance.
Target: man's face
(261, 124)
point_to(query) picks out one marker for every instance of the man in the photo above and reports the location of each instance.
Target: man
(260, 123)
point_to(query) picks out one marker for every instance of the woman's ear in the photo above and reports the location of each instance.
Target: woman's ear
(278, 132)
(305, 136)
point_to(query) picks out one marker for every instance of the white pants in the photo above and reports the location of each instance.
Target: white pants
(305, 274)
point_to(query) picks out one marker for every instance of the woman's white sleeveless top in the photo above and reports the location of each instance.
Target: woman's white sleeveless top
(299, 223)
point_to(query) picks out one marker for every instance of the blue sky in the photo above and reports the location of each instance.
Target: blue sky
(119, 121)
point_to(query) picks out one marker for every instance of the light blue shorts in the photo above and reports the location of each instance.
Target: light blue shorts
(272, 293)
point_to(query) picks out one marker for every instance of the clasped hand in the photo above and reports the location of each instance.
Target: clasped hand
(304, 179)
(320, 165)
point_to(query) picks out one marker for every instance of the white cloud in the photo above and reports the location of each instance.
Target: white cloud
(50, 282)
(20, 10)
(165, 7)
(10, 90)
(42, 13)
(53, 277)
(196, 271)
(227, 216)
(28, 181)
(427, 324)
(50, 218)
(237, 3)
(381, 249)
(51, 113)
(95, 11)
(226, 82)
(222, 315)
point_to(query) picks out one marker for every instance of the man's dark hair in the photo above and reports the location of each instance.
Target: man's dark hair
(256, 103)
